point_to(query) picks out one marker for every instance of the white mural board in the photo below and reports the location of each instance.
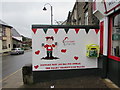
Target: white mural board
(60, 50)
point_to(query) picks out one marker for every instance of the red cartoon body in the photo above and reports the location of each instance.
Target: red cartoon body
(49, 48)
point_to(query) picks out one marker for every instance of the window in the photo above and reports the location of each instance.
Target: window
(4, 44)
(114, 36)
(0, 33)
(3, 31)
(9, 45)
(86, 18)
(79, 21)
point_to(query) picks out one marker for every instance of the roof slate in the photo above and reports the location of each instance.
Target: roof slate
(5, 24)
(15, 33)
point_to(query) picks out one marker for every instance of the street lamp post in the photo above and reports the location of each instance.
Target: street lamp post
(51, 12)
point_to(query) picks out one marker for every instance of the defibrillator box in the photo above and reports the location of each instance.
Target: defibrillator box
(92, 50)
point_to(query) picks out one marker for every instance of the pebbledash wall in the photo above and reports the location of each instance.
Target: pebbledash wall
(108, 12)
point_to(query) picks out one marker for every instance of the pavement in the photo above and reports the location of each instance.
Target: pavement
(15, 81)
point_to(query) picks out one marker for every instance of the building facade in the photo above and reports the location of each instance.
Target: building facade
(0, 39)
(26, 43)
(85, 15)
(109, 15)
(16, 43)
(6, 37)
(82, 14)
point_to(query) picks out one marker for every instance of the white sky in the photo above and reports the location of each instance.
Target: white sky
(21, 14)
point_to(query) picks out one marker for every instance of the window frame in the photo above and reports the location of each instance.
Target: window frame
(4, 44)
(3, 31)
(110, 37)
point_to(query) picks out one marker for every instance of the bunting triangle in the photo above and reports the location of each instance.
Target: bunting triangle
(96, 30)
(66, 30)
(55, 30)
(77, 30)
(45, 30)
(87, 30)
(34, 30)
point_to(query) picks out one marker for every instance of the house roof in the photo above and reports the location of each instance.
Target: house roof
(15, 33)
(16, 39)
(5, 24)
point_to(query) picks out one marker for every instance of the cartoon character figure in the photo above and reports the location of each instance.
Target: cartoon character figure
(49, 48)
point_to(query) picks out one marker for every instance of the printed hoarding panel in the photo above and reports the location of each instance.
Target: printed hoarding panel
(62, 48)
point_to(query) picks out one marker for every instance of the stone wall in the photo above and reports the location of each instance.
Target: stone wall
(78, 13)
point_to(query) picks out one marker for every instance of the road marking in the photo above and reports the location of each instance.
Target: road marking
(10, 75)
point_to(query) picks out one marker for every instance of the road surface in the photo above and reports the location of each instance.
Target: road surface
(12, 63)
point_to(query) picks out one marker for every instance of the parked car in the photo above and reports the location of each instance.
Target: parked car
(17, 51)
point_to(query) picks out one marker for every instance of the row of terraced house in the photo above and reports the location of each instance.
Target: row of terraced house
(9, 38)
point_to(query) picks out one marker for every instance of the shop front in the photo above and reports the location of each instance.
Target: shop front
(109, 17)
